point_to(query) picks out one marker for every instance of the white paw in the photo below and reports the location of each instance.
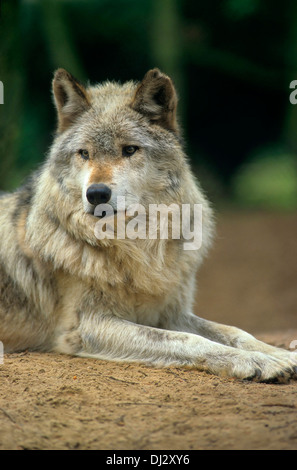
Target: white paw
(261, 367)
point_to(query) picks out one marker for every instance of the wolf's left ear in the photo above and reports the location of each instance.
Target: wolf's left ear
(70, 98)
(156, 98)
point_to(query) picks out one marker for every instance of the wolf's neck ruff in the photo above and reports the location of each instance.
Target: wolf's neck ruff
(65, 239)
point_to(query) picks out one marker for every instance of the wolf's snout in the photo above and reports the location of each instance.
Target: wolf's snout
(98, 194)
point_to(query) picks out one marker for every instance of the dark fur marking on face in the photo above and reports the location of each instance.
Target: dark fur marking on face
(61, 183)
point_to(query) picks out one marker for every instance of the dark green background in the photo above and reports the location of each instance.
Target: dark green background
(232, 62)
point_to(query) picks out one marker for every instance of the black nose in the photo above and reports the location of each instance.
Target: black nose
(98, 194)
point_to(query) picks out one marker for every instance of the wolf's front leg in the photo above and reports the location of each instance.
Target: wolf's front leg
(110, 338)
(229, 336)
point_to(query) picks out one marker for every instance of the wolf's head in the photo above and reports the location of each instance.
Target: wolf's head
(118, 140)
(117, 144)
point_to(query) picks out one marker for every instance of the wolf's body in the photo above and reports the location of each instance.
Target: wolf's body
(63, 290)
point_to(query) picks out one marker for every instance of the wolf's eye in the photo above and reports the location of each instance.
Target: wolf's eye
(84, 154)
(129, 150)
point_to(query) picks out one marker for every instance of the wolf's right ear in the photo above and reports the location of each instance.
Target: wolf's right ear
(156, 99)
(70, 98)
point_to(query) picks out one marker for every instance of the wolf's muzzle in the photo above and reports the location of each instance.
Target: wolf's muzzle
(98, 194)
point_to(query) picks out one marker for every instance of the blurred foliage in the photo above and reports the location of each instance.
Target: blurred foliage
(241, 8)
(231, 60)
(268, 180)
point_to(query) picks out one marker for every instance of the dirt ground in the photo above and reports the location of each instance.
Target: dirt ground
(49, 401)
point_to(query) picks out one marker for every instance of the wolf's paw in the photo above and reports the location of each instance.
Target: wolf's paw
(261, 367)
(273, 369)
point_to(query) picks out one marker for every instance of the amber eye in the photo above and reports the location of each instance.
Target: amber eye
(129, 150)
(84, 154)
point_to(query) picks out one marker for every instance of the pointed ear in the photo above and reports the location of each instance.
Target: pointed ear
(156, 98)
(70, 98)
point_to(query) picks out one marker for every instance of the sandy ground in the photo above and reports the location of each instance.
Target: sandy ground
(49, 401)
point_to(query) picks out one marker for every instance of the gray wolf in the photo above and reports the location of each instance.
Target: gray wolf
(63, 290)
